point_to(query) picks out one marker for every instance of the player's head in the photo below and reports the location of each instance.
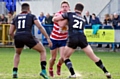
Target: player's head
(79, 7)
(65, 6)
(25, 7)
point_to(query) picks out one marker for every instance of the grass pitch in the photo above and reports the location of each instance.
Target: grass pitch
(29, 66)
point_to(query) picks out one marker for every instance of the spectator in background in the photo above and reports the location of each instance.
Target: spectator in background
(53, 14)
(41, 17)
(111, 16)
(116, 20)
(87, 18)
(3, 19)
(107, 22)
(41, 20)
(48, 19)
(10, 17)
(48, 22)
(94, 21)
(116, 23)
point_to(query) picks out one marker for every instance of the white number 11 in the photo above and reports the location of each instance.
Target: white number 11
(19, 24)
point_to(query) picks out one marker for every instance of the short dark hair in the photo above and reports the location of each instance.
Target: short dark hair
(65, 2)
(79, 7)
(25, 6)
(94, 14)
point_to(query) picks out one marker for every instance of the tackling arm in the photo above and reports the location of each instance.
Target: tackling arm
(60, 20)
(63, 23)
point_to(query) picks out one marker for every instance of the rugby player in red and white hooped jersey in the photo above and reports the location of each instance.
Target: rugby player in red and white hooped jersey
(58, 38)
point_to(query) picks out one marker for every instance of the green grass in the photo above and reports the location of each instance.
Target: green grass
(29, 67)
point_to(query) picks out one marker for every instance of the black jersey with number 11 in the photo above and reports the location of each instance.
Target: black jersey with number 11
(23, 23)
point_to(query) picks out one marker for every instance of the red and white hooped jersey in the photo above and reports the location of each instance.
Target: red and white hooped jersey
(59, 33)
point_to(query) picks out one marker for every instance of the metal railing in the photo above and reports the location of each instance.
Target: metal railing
(4, 34)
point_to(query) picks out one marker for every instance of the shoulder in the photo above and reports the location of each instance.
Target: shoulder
(97, 18)
(69, 12)
(66, 15)
(32, 15)
(58, 13)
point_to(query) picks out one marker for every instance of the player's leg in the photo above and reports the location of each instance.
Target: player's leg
(16, 61)
(89, 52)
(61, 44)
(53, 51)
(61, 61)
(52, 61)
(18, 49)
(40, 48)
(67, 53)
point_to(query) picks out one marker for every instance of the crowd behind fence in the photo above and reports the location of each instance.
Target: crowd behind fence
(104, 35)
(111, 25)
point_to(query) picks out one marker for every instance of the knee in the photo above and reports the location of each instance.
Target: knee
(18, 53)
(66, 57)
(53, 59)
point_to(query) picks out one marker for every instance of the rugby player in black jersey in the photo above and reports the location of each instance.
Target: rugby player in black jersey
(76, 37)
(23, 23)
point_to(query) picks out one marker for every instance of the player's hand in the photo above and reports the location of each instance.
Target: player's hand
(49, 43)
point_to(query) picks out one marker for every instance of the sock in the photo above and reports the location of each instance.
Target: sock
(100, 64)
(51, 69)
(69, 65)
(43, 65)
(15, 70)
(59, 64)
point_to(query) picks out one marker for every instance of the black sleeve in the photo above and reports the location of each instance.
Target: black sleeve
(34, 17)
(65, 15)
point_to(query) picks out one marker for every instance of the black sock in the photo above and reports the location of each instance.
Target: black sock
(15, 69)
(100, 64)
(69, 65)
(43, 65)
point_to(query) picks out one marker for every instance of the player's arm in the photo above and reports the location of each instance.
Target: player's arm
(57, 18)
(61, 19)
(63, 23)
(43, 31)
(12, 28)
